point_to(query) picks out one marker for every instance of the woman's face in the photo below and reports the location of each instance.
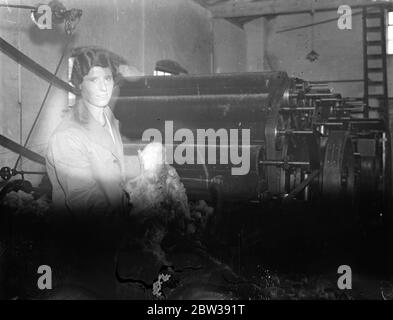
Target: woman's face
(97, 87)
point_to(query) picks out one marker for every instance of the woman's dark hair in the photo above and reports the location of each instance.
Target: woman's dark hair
(86, 58)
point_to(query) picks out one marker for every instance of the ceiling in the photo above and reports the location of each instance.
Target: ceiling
(243, 11)
(208, 3)
(239, 21)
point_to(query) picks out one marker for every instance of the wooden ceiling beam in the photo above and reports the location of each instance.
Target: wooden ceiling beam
(235, 9)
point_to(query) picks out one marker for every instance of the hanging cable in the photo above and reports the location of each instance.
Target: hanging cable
(312, 55)
(44, 100)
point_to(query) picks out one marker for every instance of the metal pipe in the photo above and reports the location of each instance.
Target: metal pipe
(307, 188)
(302, 185)
(330, 99)
(321, 90)
(355, 103)
(319, 95)
(355, 121)
(330, 123)
(351, 109)
(17, 148)
(34, 67)
(318, 84)
(342, 80)
(353, 99)
(298, 109)
(281, 162)
(201, 98)
(18, 6)
(29, 172)
(295, 132)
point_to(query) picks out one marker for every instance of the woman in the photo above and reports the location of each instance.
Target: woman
(85, 166)
(85, 160)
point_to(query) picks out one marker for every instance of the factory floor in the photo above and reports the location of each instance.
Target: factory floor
(261, 253)
(294, 252)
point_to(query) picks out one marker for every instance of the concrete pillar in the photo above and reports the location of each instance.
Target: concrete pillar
(256, 39)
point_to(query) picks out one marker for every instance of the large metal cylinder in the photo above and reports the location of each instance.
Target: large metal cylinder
(228, 107)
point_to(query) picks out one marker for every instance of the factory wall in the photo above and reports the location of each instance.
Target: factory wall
(142, 31)
(229, 47)
(260, 46)
(340, 51)
(178, 30)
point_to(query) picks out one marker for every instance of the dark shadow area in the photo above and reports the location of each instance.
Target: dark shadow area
(276, 250)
